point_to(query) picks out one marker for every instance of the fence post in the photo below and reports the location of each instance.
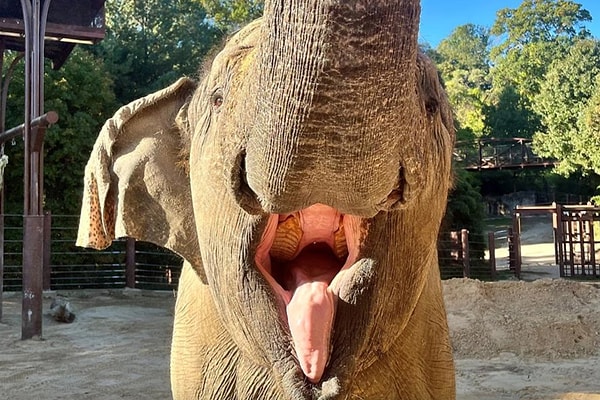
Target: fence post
(130, 262)
(47, 258)
(33, 260)
(464, 241)
(559, 241)
(1, 252)
(492, 248)
(517, 243)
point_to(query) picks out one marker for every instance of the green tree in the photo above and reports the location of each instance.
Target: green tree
(465, 49)
(465, 206)
(532, 37)
(567, 103)
(510, 116)
(534, 34)
(539, 21)
(232, 14)
(149, 44)
(463, 61)
(81, 92)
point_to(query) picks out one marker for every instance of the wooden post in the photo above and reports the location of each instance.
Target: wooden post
(464, 241)
(492, 249)
(47, 250)
(517, 243)
(130, 263)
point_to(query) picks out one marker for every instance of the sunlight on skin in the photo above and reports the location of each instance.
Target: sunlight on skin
(580, 396)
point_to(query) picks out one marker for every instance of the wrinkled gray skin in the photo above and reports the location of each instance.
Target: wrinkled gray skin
(320, 102)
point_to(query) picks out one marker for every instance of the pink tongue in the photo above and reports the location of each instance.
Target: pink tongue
(311, 311)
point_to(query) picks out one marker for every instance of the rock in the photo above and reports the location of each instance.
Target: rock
(61, 310)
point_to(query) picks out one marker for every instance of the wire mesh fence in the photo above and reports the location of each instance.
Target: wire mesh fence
(463, 255)
(72, 267)
(147, 266)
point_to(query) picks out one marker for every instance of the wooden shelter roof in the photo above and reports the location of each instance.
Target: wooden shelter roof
(69, 22)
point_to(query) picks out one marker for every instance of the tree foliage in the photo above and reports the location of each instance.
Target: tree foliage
(568, 114)
(464, 65)
(533, 36)
(509, 115)
(533, 73)
(232, 14)
(466, 48)
(537, 21)
(151, 43)
(81, 92)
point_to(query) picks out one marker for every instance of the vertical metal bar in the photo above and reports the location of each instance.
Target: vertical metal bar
(1, 249)
(570, 238)
(39, 99)
(559, 240)
(555, 231)
(464, 241)
(27, 22)
(510, 236)
(47, 251)
(517, 243)
(592, 244)
(31, 315)
(582, 252)
(2, 129)
(34, 18)
(492, 249)
(130, 262)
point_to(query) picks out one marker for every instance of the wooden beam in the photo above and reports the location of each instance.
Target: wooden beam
(55, 32)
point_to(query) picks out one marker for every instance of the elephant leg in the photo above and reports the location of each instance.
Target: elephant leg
(202, 353)
(419, 365)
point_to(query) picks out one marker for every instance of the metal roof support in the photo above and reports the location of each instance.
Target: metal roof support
(35, 14)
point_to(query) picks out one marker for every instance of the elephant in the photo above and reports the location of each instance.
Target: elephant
(303, 179)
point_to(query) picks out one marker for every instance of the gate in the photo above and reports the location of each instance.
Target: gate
(578, 240)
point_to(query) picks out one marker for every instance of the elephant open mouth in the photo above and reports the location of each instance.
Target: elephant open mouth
(303, 256)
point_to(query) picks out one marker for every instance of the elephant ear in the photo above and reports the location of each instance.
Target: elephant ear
(136, 183)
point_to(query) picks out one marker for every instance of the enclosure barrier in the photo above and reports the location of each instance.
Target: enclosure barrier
(126, 263)
(576, 237)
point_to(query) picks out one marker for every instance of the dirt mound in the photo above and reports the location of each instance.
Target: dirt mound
(543, 320)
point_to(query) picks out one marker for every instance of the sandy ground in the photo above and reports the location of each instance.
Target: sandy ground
(117, 348)
(512, 340)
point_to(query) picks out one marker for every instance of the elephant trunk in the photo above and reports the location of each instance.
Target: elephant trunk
(336, 84)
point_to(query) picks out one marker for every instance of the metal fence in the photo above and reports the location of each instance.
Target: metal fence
(462, 255)
(124, 263)
(127, 263)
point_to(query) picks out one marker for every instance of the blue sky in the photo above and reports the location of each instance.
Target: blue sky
(440, 17)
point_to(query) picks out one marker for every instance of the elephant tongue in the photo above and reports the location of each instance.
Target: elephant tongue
(311, 309)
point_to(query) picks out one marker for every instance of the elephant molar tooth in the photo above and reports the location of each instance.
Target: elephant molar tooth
(287, 238)
(340, 247)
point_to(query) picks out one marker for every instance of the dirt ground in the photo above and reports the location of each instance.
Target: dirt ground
(512, 340)
(117, 348)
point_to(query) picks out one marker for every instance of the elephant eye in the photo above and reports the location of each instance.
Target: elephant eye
(217, 100)
(431, 106)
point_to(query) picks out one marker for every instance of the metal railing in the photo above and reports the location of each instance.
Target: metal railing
(139, 264)
(462, 255)
(127, 263)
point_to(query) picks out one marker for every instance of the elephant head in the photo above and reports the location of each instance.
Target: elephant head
(303, 180)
